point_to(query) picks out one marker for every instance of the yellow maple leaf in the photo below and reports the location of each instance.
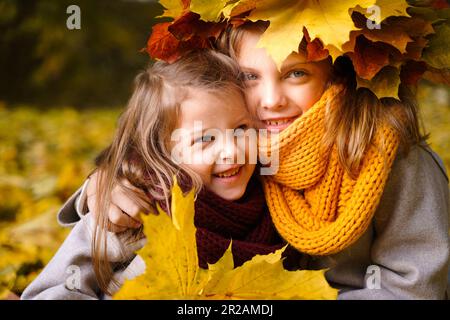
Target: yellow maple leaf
(328, 20)
(385, 84)
(264, 277)
(212, 10)
(387, 8)
(173, 8)
(170, 256)
(172, 270)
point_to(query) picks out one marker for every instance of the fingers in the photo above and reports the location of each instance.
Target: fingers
(120, 219)
(127, 205)
(123, 212)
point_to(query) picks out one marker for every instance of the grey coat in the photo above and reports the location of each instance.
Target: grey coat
(403, 255)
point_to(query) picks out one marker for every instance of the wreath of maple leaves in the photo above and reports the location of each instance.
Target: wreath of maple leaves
(397, 47)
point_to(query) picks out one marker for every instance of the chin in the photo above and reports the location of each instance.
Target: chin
(231, 195)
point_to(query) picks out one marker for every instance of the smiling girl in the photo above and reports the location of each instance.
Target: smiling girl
(357, 189)
(277, 97)
(202, 86)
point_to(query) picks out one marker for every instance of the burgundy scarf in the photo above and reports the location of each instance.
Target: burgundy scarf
(246, 222)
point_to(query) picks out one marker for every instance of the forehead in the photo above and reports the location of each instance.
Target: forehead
(250, 55)
(210, 106)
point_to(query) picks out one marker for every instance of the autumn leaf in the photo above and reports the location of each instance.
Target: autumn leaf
(387, 8)
(412, 71)
(327, 20)
(384, 84)
(189, 27)
(369, 57)
(171, 257)
(398, 35)
(172, 270)
(404, 32)
(174, 8)
(437, 53)
(170, 40)
(162, 44)
(418, 29)
(242, 7)
(315, 51)
(264, 277)
(209, 10)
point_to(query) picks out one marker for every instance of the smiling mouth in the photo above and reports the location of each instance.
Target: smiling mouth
(279, 122)
(229, 173)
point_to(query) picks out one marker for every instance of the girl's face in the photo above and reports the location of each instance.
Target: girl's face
(210, 123)
(278, 97)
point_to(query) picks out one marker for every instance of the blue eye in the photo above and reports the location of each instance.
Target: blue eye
(296, 74)
(249, 76)
(240, 131)
(243, 127)
(206, 138)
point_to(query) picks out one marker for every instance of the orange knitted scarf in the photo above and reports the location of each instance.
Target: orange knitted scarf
(314, 203)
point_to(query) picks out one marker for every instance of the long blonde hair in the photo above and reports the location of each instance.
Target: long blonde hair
(140, 151)
(354, 119)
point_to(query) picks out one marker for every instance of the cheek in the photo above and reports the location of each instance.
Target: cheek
(251, 100)
(304, 97)
(202, 170)
(251, 169)
(200, 161)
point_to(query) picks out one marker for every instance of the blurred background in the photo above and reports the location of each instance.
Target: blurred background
(61, 91)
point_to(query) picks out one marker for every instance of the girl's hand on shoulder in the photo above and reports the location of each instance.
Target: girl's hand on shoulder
(123, 213)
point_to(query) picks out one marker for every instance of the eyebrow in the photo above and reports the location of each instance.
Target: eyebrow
(248, 68)
(283, 67)
(239, 120)
(193, 132)
(293, 64)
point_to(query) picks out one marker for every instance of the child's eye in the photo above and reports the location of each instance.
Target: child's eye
(205, 138)
(296, 74)
(243, 127)
(248, 76)
(240, 131)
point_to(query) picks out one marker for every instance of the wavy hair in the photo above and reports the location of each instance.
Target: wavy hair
(138, 159)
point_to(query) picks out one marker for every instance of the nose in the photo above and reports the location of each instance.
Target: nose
(272, 97)
(231, 151)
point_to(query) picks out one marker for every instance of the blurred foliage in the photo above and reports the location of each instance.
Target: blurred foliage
(44, 158)
(44, 63)
(434, 107)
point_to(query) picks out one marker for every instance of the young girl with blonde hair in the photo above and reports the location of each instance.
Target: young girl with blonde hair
(358, 189)
(202, 86)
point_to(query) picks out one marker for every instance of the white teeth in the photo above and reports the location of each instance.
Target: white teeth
(277, 122)
(229, 174)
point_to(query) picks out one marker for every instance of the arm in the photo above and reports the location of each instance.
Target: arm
(123, 213)
(411, 244)
(74, 208)
(70, 275)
